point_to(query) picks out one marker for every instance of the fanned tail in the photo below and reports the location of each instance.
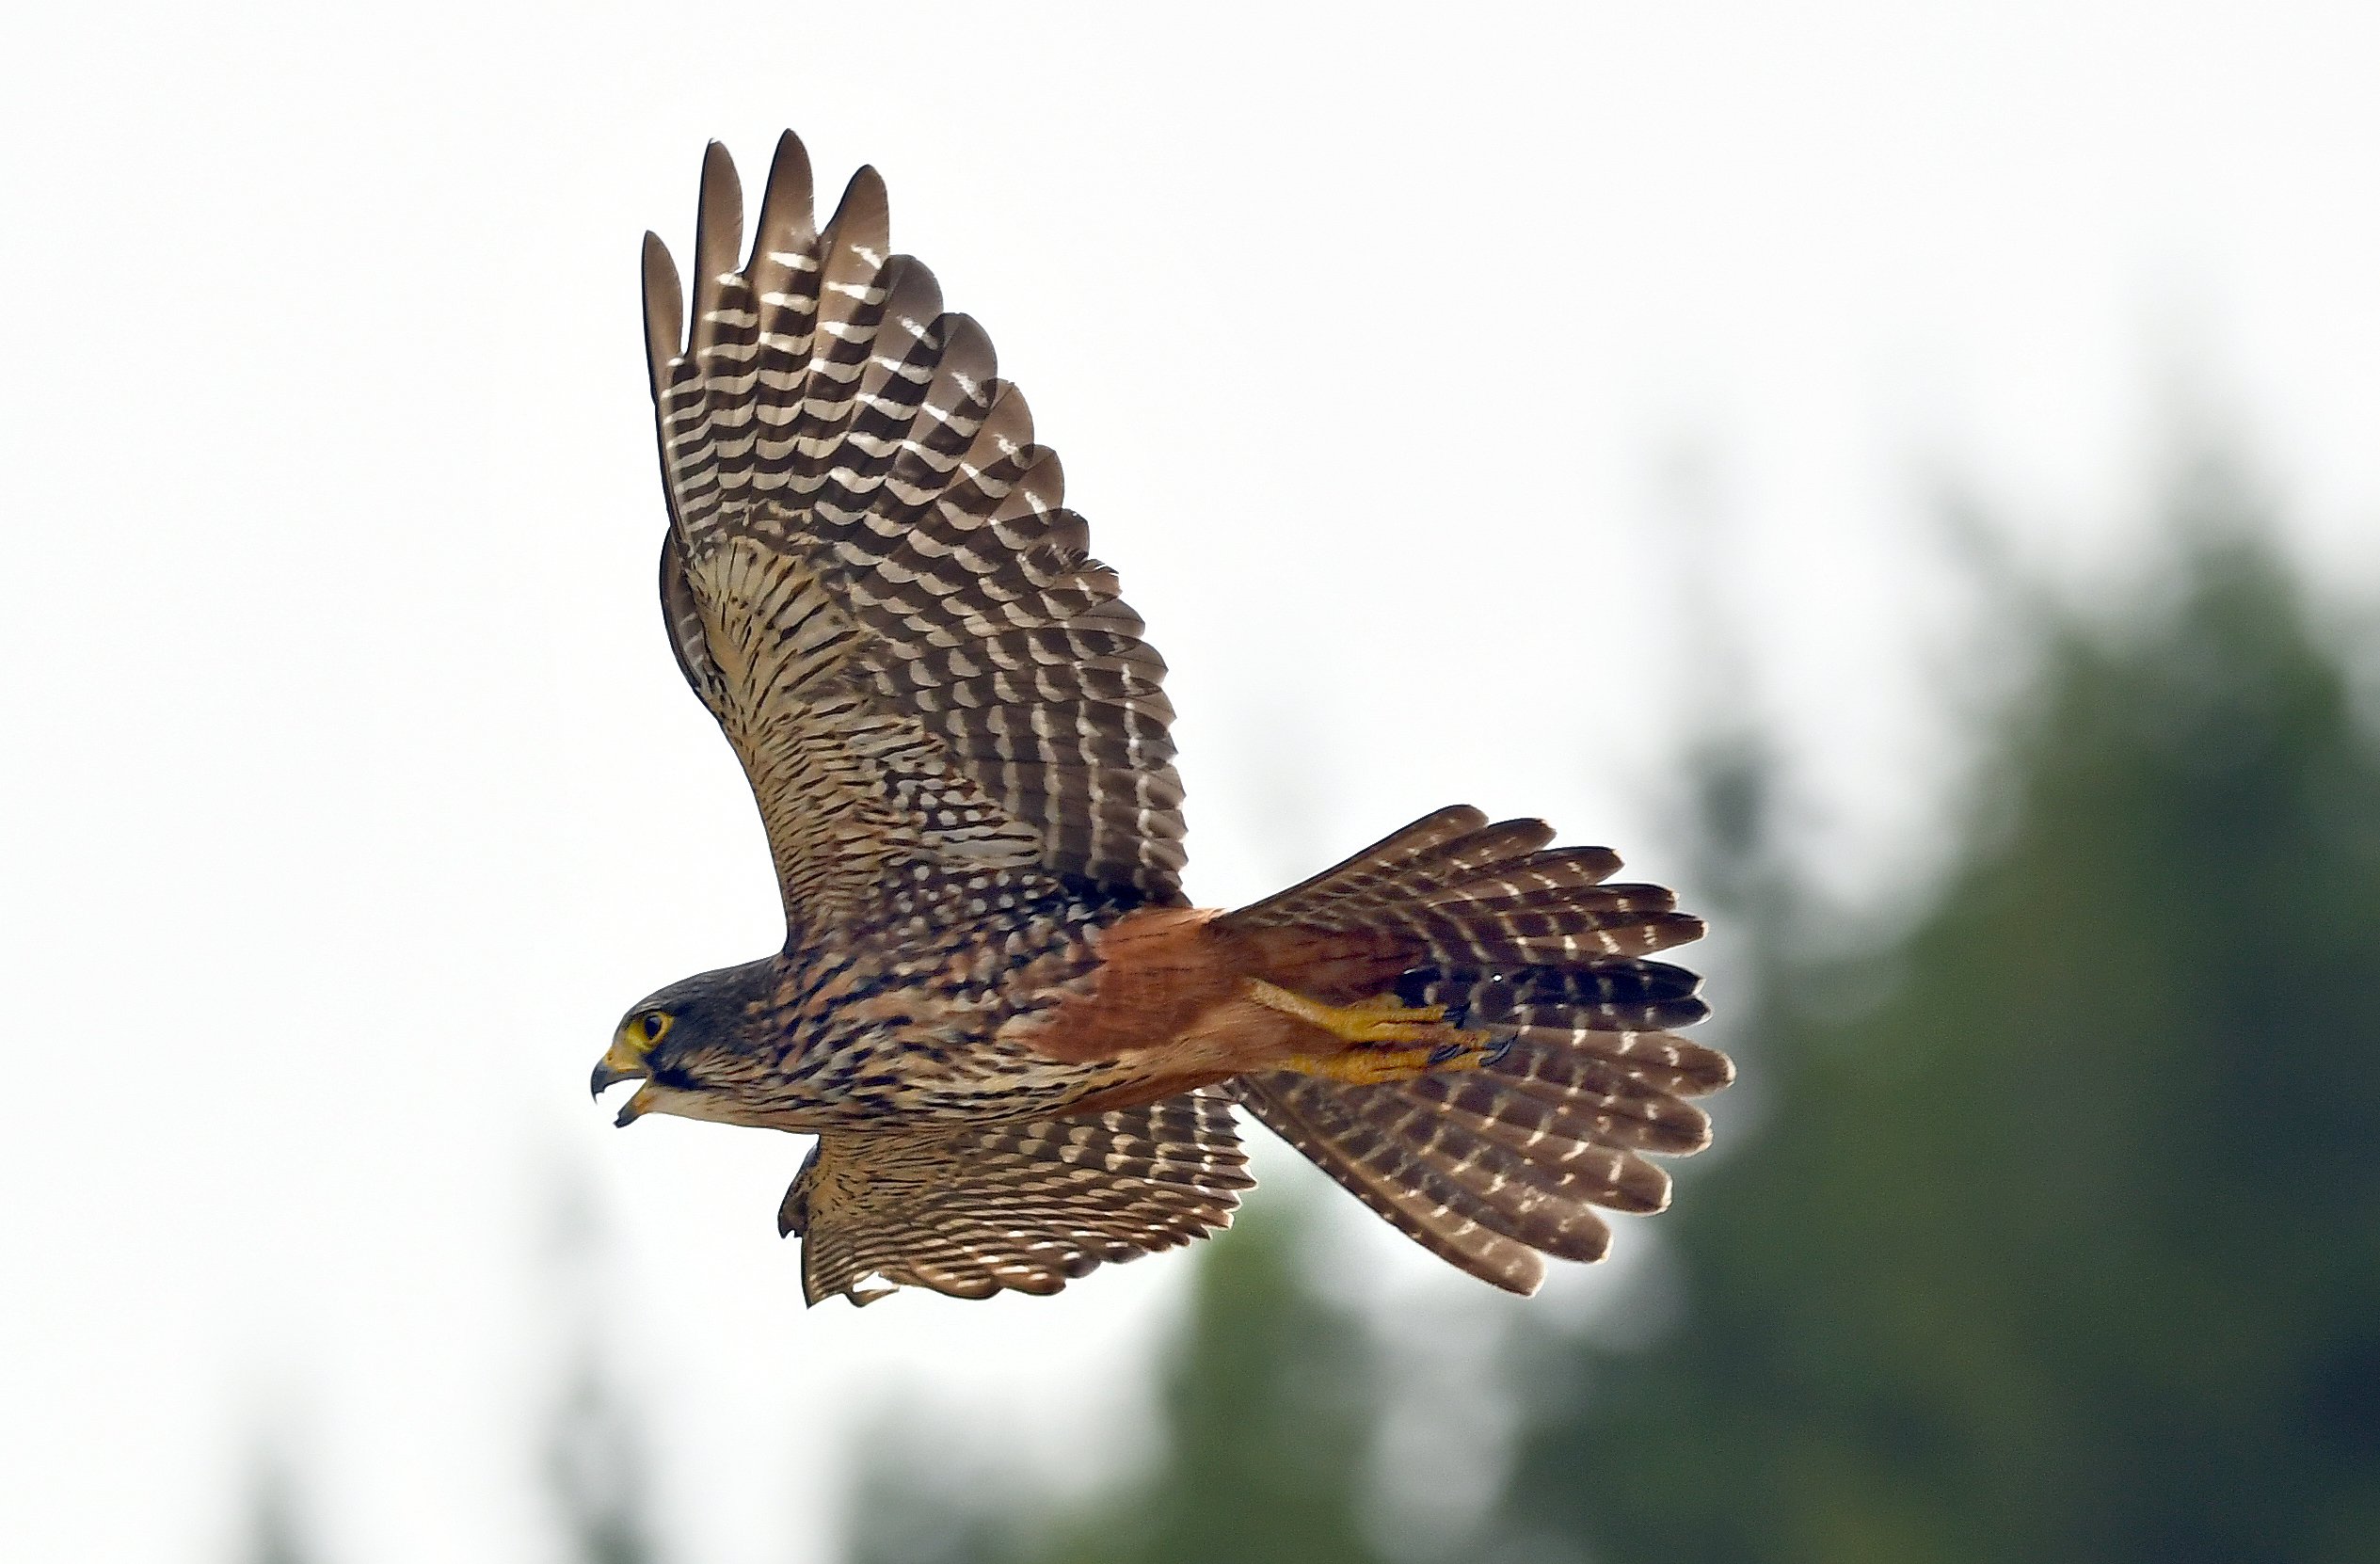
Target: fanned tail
(1495, 1167)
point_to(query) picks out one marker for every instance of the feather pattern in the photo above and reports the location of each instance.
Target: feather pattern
(1533, 947)
(869, 577)
(1412, 1196)
(1024, 1207)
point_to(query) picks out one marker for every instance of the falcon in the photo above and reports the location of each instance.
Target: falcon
(1020, 1048)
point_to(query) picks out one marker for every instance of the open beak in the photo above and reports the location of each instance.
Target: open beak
(620, 1063)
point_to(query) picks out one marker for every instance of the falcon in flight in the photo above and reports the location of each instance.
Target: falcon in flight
(1019, 1046)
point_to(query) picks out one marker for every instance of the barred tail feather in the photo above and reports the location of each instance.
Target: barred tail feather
(1414, 1200)
(1492, 1168)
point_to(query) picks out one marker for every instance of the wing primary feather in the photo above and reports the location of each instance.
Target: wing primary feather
(665, 311)
(787, 226)
(718, 245)
(849, 480)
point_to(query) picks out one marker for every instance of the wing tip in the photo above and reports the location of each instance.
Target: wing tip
(787, 220)
(664, 311)
(721, 208)
(863, 218)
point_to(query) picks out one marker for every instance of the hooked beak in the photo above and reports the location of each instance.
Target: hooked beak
(621, 1063)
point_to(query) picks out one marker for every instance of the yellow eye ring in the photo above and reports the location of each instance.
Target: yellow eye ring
(651, 1026)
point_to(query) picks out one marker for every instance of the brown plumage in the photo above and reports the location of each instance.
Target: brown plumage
(1017, 1043)
(1488, 1168)
(972, 1210)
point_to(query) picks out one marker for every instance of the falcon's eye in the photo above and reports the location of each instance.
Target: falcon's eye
(651, 1026)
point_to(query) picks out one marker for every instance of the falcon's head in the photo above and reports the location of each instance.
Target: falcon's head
(690, 1043)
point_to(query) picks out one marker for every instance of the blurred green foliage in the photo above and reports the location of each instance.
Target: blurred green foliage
(2060, 1240)
(1266, 1403)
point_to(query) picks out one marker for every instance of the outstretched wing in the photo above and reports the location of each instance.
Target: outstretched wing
(971, 1211)
(869, 577)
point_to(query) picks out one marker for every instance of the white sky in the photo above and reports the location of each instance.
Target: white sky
(1416, 371)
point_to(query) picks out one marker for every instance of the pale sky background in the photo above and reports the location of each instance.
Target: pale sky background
(1416, 368)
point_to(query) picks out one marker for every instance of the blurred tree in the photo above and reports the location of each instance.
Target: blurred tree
(596, 1472)
(2061, 1236)
(276, 1533)
(920, 1501)
(1266, 1414)
(1266, 1408)
(597, 1467)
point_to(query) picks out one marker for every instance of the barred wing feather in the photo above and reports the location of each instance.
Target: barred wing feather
(869, 577)
(975, 1210)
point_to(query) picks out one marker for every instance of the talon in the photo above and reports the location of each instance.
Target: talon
(1474, 1053)
(1387, 1039)
(1364, 1065)
(1381, 1018)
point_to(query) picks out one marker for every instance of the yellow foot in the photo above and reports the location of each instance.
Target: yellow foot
(1373, 1064)
(1387, 1039)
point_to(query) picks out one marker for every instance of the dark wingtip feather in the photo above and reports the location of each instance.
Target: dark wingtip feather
(718, 242)
(719, 217)
(664, 311)
(864, 216)
(787, 220)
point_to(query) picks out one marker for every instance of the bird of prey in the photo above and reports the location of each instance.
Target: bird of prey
(1019, 1044)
